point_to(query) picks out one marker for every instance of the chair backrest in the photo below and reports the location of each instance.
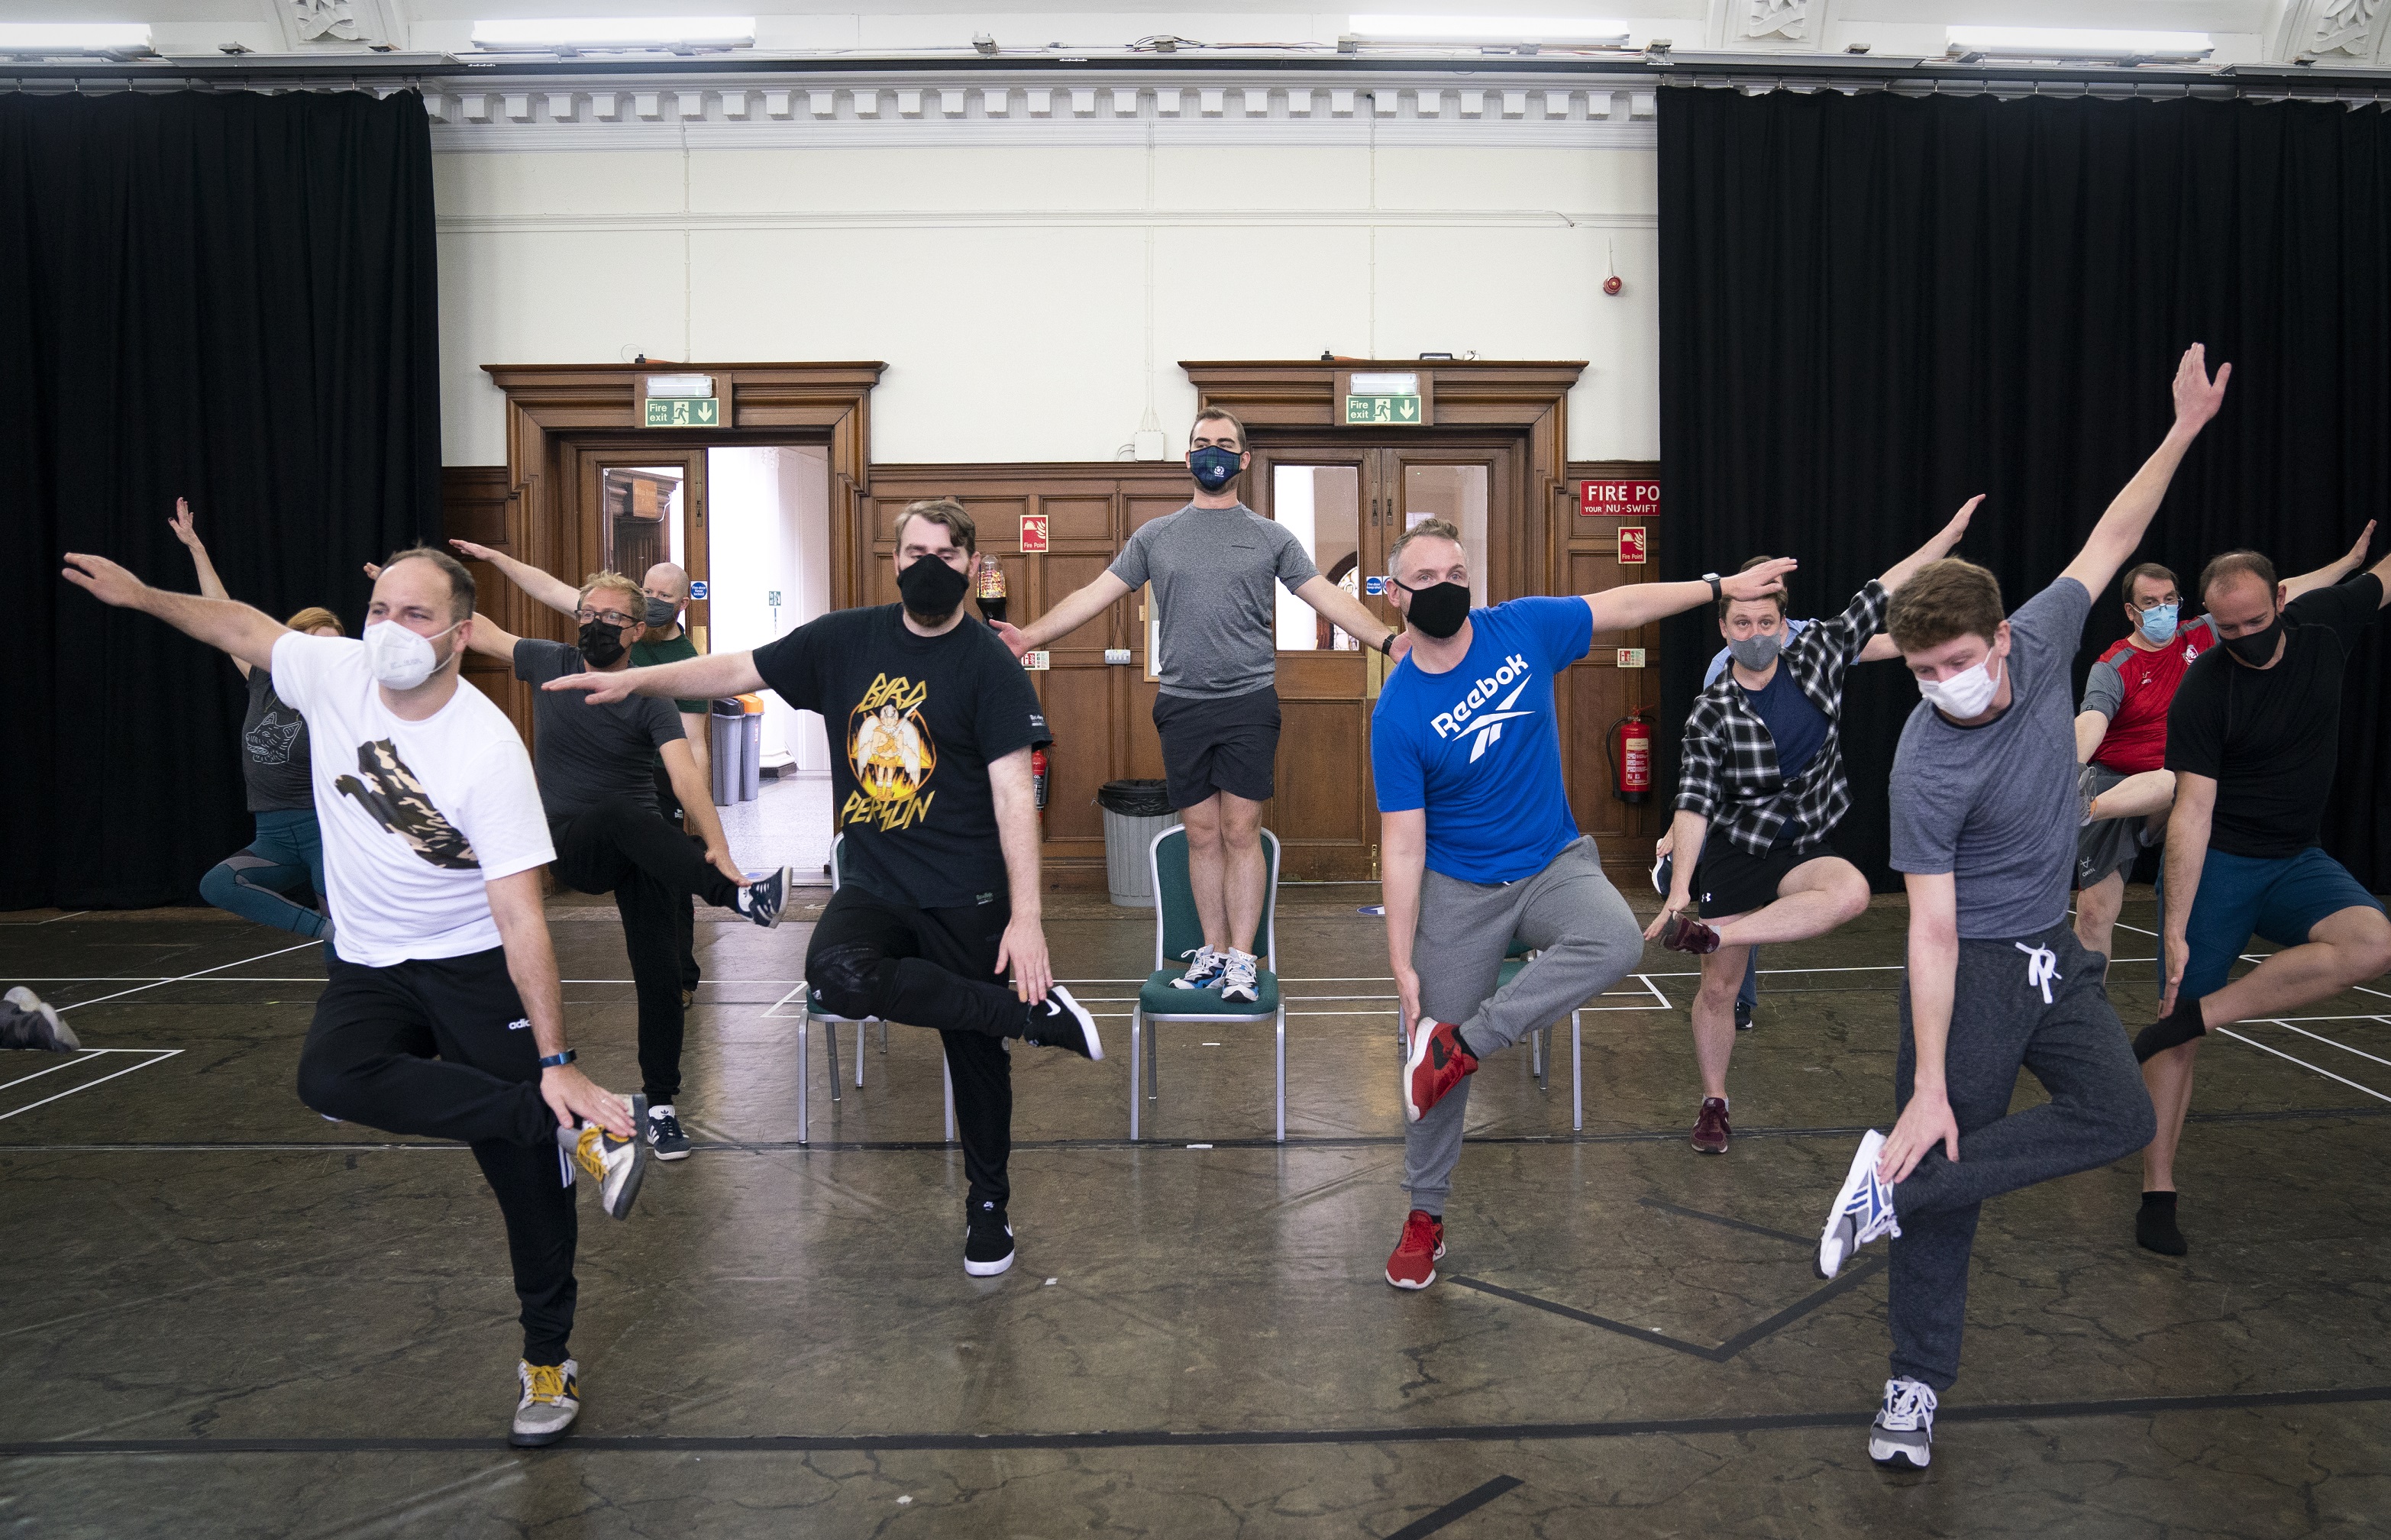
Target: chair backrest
(837, 850)
(1178, 930)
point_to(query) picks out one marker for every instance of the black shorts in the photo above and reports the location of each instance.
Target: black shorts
(1732, 880)
(1224, 745)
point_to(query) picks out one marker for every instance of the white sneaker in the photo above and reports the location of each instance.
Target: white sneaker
(620, 1165)
(1203, 970)
(1902, 1436)
(1237, 980)
(550, 1400)
(1863, 1209)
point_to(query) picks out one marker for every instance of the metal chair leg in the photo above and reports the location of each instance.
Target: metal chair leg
(883, 1047)
(860, 1028)
(1536, 1054)
(830, 1047)
(1281, 1072)
(804, 1018)
(946, 1073)
(1153, 1063)
(1577, 1075)
(1136, 1042)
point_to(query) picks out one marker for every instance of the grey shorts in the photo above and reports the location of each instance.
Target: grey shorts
(2112, 845)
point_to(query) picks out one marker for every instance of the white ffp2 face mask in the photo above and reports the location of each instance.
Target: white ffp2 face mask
(400, 658)
(1965, 694)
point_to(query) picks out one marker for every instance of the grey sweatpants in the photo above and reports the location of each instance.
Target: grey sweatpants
(1589, 939)
(2097, 1112)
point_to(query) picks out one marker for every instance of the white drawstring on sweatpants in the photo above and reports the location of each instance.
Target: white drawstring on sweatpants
(2041, 967)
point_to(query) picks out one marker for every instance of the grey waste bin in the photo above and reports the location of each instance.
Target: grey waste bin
(1134, 812)
(751, 756)
(726, 741)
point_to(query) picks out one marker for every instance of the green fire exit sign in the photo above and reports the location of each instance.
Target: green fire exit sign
(1402, 410)
(685, 411)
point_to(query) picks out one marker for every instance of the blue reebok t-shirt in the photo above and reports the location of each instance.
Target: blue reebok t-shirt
(1478, 746)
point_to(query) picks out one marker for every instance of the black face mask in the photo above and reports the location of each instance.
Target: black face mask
(931, 589)
(2258, 649)
(601, 645)
(1439, 609)
(661, 612)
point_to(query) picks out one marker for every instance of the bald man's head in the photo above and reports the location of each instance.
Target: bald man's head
(666, 581)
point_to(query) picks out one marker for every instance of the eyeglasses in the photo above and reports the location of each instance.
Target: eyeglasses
(612, 618)
(2146, 605)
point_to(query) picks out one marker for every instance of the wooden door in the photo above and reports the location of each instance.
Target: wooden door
(640, 505)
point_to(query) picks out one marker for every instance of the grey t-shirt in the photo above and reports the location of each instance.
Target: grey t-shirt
(1211, 569)
(1996, 804)
(585, 754)
(274, 750)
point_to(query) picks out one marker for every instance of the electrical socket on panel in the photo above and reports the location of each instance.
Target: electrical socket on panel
(1150, 444)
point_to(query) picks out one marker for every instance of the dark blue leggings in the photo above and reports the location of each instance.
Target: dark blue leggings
(256, 882)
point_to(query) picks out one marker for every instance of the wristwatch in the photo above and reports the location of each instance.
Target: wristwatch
(1713, 579)
(1387, 644)
(557, 1061)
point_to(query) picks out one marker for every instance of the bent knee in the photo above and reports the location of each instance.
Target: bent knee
(219, 884)
(1851, 894)
(325, 1085)
(846, 980)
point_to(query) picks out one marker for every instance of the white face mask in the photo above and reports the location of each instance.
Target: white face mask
(1964, 695)
(401, 659)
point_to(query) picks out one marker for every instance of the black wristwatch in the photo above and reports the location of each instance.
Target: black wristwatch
(1716, 592)
(557, 1061)
(1387, 644)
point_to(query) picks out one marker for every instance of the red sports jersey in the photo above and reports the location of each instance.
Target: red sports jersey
(2136, 737)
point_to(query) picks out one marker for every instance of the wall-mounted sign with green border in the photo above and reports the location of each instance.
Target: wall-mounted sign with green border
(1400, 410)
(685, 411)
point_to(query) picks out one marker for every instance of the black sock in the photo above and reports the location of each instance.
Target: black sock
(2154, 1227)
(2171, 1031)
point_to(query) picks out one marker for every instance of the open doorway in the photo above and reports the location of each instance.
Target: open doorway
(768, 550)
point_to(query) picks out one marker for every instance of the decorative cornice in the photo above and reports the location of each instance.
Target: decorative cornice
(587, 222)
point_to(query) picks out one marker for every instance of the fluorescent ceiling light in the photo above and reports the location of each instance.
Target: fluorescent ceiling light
(617, 31)
(2075, 42)
(1474, 29)
(90, 37)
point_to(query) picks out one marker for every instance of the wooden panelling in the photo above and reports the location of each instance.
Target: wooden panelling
(474, 502)
(1327, 825)
(1601, 693)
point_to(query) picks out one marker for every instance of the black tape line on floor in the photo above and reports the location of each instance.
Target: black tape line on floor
(1495, 1432)
(1468, 1502)
(1659, 1339)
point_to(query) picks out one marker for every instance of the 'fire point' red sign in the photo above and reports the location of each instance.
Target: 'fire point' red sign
(1618, 499)
(1033, 532)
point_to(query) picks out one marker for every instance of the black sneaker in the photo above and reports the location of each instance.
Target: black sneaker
(988, 1242)
(1059, 1021)
(666, 1140)
(27, 1022)
(763, 899)
(1742, 1016)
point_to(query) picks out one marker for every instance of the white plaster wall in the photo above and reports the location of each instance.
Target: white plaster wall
(1032, 302)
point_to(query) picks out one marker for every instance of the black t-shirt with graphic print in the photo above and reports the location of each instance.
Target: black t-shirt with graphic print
(913, 724)
(274, 750)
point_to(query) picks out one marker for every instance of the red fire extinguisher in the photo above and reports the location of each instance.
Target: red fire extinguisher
(1631, 763)
(1038, 782)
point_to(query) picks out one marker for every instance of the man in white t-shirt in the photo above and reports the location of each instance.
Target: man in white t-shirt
(441, 1015)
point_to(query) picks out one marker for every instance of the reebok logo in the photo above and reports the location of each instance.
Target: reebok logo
(1488, 726)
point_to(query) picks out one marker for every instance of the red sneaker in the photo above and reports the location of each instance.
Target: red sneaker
(1437, 1061)
(1710, 1128)
(1683, 932)
(1414, 1263)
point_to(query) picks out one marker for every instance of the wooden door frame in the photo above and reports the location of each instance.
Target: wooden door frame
(553, 410)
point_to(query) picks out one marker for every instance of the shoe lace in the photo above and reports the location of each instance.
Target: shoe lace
(1238, 970)
(1908, 1403)
(666, 1125)
(589, 1151)
(545, 1383)
(1419, 1233)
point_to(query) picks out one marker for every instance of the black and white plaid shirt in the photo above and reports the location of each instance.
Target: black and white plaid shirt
(1728, 769)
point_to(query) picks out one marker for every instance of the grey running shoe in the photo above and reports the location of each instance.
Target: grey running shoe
(763, 899)
(619, 1165)
(27, 1022)
(1203, 970)
(550, 1400)
(1863, 1209)
(1237, 980)
(666, 1140)
(2085, 792)
(1903, 1435)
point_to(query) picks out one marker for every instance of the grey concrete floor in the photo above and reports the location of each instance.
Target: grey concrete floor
(226, 1316)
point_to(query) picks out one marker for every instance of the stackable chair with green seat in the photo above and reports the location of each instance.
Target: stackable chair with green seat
(1177, 934)
(807, 1014)
(1539, 1054)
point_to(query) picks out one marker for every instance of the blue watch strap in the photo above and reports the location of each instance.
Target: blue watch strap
(557, 1061)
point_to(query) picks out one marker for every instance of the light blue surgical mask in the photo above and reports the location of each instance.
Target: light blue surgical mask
(2158, 622)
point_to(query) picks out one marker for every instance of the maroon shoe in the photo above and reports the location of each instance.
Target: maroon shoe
(1710, 1128)
(1439, 1059)
(1682, 931)
(1413, 1265)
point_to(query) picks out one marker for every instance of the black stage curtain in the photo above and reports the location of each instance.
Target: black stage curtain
(224, 297)
(1873, 307)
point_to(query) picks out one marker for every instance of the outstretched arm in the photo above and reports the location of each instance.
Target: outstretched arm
(713, 676)
(1945, 540)
(211, 586)
(249, 635)
(1341, 608)
(1623, 608)
(2330, 572)
(1075, 611)
(554, 593)
(2121, 528)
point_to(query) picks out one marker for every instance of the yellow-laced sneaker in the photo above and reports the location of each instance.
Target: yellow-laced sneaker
(552, 1399)
(619, 1165)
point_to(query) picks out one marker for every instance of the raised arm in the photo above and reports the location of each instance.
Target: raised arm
(1944, 542)
(554, 593)
(248, 635)
(1075, 611)
(1343, 610)
(714, 676)
(1623, 608)
(2332, 572)
(2121, 528)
